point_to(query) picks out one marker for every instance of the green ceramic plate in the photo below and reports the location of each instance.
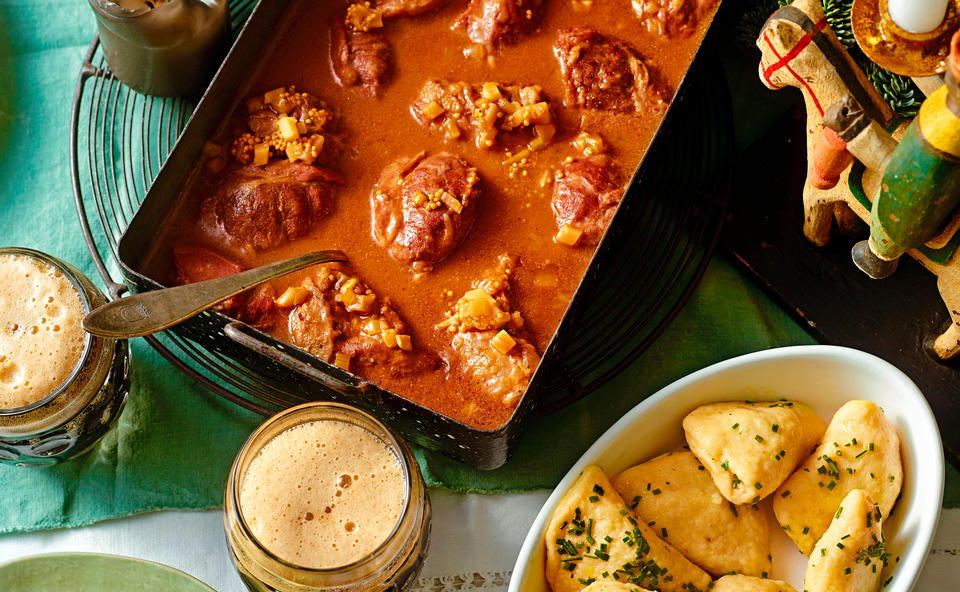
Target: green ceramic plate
(93, 572)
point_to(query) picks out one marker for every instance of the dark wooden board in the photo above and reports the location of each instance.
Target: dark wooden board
(893, 318)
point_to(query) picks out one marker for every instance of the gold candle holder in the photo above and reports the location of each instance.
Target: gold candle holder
(898, 50)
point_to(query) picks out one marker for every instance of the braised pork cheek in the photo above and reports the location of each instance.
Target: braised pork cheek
(361, 53)
(198, 264)
(586, 196)
(488, 339)
(423, 207)
(341, 320)
(263, 207)
(601, 72)
(493, 22)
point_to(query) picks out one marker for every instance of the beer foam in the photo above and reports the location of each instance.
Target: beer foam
(323, 494)
(41, 339)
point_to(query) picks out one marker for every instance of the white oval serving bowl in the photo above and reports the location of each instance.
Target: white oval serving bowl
(823, 377)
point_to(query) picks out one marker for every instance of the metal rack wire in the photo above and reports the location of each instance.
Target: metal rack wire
(120, 139)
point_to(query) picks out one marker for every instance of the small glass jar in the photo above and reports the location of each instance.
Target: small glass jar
(393, 565)
(70, 420)
(164, 48)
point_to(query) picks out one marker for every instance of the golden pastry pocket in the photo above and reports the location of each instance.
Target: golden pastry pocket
(606, 586)
(742, 583)
(675, 495)
(592, 536)
(860, 450)
(751, 447)
(851, 554)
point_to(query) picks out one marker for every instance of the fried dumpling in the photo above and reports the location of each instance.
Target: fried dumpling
(593, 536)
(850, 556)
(676, 496)
(860, 450)
(750, 448)
(741, 583)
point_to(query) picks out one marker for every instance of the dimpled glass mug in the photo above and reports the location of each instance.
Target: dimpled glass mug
(60, 388)
(325, 497)
(164, 48)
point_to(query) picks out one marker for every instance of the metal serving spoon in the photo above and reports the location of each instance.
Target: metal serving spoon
(148, 312)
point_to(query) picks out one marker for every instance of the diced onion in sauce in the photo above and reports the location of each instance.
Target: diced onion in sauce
(362, 303)
(568, 235)
(491, 91)
(502, 342)
(342, 361)
(261, 154)
(292, 296)
(348, 298)
(451, 202)
(288, 128)
(389, 337)
(432, 110)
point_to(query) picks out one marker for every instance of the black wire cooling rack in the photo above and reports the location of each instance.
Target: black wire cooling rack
(119, 140)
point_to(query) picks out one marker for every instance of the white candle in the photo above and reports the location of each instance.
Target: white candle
(917, 16)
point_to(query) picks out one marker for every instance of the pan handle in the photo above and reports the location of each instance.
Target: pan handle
(296, 360)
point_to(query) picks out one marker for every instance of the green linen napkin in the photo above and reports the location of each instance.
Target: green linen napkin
(175, 442)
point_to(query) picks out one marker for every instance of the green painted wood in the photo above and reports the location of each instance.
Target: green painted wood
(93, 572)
(919, 192)
(941, 255)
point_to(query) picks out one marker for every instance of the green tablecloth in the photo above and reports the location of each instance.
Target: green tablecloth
(175, 442)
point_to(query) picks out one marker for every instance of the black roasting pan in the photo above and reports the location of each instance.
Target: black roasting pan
(651, 256)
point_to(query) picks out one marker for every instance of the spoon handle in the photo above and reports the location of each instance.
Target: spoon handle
(148, 312)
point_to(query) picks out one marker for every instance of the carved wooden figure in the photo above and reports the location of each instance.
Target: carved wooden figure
(800, 50)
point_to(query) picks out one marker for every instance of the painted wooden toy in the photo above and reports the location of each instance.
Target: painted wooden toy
(920, 184)
(799, 50)
(908, 191)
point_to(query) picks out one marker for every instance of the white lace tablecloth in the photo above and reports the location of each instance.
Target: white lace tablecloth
(476, 539)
